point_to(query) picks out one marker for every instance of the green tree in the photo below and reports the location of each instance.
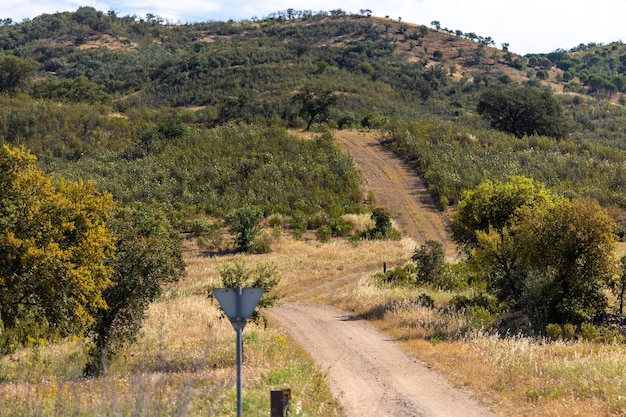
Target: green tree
(382, 223)
(314, 103)
(148, 255)
(496, 260)
(523, 111)
(14, 73)
(569, 246)
(546, 255)
(490, 206)
(429, 260)
(245, 224)
(53, 245)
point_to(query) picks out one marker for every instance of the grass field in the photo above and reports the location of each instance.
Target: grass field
(184, 361)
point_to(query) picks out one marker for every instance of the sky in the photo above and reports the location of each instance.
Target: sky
(528, 26)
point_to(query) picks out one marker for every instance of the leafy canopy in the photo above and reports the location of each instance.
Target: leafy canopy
(491, 205)
(523, 111)
(548, 256)
(263, 275)
(148, 255)
(53, 245)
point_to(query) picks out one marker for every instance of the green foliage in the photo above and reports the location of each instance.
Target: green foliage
(245, 224)
(523, 111)
(263, 275)
(373, 121)
(209, 234)
(298, 224)
(323, 233)
(262, 243)
(382, 225)
(483, 301)
(76, 90)
(148, 255)
(619, 287)
(53, 246)
(453, 158)
(575, 240)
(314, 103)
(398, 276)
(14, 73)
(429, 260)
(554, 331)
(566, 283)
(220, 170)
(491, 206)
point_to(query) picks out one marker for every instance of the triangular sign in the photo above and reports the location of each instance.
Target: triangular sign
(238, 303)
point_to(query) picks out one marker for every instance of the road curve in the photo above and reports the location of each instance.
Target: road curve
(369, 374)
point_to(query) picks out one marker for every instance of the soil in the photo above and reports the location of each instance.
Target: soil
(369, 373)
(397, 188)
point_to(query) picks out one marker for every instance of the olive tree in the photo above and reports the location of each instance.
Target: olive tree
(245, 224)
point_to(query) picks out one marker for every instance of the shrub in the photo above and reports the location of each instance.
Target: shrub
(276, 221)
(323, 234)
(554, 331)
(261, 244)
(298, 224)
(429, 262)
(400, 276)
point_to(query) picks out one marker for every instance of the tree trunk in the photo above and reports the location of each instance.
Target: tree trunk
(98, 363)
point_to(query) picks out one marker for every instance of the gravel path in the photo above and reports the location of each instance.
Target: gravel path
(370, 375)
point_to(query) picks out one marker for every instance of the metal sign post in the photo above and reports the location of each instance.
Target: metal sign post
(238, 304)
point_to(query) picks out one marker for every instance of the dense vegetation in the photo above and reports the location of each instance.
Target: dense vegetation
(185, 124)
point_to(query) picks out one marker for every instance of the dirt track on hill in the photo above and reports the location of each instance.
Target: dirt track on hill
(369, 374)
(397, 188)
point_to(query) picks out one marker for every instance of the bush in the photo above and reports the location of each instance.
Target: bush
(554, 331)
(488, 302)
(323, 234)
(429, 262)
(298, 224)
(276, 221)
(399, 276)
(262, 243)
(340, 226)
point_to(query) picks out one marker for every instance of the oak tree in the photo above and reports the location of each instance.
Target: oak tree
(53, 245)
(148, 255)
(314, 103)
(523, 111)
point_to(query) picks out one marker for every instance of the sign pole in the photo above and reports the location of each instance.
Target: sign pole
(240, 323)
(238, 305)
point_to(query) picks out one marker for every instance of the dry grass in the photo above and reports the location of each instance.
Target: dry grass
(184, 362)
(517, 376)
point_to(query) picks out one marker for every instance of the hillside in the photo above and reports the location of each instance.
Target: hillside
(135, 84)
(296, 139)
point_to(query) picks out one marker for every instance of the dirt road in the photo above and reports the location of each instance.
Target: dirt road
(370, 375)
(396, 188)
